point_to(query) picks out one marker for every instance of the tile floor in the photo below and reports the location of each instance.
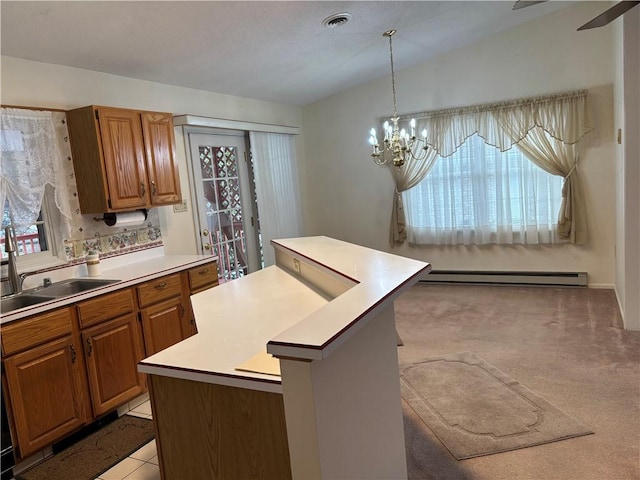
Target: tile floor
(141, 464)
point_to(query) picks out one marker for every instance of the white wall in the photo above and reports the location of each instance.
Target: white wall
(35, 84)
(350, 198)
(627, 118)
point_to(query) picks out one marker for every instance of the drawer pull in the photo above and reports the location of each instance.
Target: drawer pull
(203, 272)
(73, 353)
(89, 347)
(160, 286)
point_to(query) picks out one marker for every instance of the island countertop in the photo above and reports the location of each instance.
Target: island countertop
(318, 295)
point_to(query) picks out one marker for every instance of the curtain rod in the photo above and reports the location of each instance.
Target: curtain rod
(39, 109)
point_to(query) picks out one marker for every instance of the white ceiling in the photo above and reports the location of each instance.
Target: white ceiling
(267, 50)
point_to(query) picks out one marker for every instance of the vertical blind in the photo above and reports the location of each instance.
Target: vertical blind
(277, 192)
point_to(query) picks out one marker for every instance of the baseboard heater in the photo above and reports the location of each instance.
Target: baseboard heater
(553, 279)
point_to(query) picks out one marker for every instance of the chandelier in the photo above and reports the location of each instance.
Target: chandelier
(398, 144)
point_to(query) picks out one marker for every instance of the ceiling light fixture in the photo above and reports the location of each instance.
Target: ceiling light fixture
(399, 145)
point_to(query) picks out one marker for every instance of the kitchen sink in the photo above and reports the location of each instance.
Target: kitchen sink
(54, 291)
(22, 300)
(73, 286)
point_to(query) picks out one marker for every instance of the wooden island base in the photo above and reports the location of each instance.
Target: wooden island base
(218, 432)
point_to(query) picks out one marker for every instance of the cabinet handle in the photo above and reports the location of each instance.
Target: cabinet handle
(89, 347)
(73, 353)
(203, 272)
(160, 286)
(153, 188)
(143, 189)
(181, 310)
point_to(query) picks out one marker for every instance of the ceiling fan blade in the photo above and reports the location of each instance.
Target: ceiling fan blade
(525, 3)
(610, 15)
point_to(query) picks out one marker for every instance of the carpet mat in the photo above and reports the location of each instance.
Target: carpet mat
(476, 409)
(96, 453)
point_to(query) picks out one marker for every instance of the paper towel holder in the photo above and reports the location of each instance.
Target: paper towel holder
(111, 218)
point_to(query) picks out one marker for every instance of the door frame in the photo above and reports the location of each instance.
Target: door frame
(254, 254)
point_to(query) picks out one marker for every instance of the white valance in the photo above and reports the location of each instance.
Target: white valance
(562, 116)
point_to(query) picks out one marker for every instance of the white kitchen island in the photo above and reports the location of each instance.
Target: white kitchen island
(294, 371)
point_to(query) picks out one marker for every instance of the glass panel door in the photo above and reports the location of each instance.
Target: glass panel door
(224, 202)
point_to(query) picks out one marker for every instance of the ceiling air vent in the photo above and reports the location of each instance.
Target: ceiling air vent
(336, 20)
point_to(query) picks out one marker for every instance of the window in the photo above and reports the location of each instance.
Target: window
(32, 186)
(480, 195)
(30, 240)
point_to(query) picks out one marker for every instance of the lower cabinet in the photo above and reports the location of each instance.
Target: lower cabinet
(165, 324)
(66, 367)
(46, 383)
(112, 345)
(112, 352)
(163, 313)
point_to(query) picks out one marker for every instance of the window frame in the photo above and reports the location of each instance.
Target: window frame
(54, 255)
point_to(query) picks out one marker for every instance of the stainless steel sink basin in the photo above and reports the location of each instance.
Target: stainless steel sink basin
(22, 300)
(73, 286)
(56, 290)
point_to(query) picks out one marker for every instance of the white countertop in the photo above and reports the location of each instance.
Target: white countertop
(273, 309)
(133, 269)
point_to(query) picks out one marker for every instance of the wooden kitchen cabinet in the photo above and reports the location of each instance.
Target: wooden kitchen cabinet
(163, 313)
(123, 159)
(68, 366)
(196, 280)
(202, 277)
(112, 352)
(47, 388)
(112, 346)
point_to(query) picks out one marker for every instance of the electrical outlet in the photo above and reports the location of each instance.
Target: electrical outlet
(296, 265)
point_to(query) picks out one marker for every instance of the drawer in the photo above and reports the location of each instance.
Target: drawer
(105, 307)
(159, 289)
(23, 334)
(203, 276)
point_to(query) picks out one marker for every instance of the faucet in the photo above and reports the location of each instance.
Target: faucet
(15, 280)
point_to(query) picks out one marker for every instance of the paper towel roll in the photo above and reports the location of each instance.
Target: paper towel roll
(125, 219)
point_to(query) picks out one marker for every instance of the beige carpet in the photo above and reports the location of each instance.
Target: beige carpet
(475, 409)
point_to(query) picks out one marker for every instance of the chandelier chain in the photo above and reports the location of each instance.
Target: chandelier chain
(393, 79)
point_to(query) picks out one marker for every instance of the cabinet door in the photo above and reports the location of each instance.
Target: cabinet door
(47, 393)
(162, 171)
(112, 351)
(123, 150)
(165, 324)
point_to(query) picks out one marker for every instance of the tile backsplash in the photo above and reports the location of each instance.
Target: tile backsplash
(112, 243)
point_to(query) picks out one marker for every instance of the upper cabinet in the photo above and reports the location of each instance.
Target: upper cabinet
(123, 159)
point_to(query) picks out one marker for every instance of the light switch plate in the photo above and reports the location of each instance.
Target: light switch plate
(180, 207)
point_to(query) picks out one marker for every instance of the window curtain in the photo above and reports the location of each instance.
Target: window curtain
(277, 191)
(482, 196)
(30, 162)
(563, 117)
(406, 177)
(561, 159)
